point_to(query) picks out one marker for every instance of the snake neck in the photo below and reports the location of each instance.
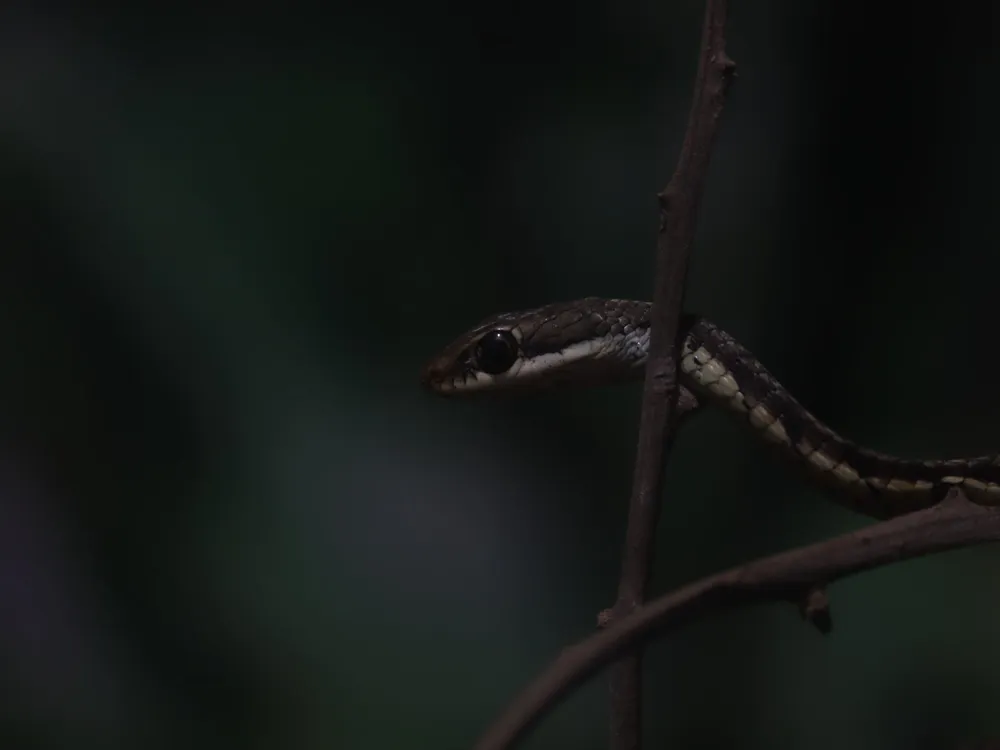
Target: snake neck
(718, 369)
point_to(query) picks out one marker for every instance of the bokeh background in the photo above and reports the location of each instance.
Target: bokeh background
(230, 518)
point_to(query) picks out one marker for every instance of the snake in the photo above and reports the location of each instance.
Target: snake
(594, 341)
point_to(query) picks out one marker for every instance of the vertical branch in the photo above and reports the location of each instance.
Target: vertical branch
(679, 204)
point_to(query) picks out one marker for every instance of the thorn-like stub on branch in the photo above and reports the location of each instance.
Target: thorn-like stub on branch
(725, 63)
(663, 199)
(605, 617)
(667, 199)
(815, 608)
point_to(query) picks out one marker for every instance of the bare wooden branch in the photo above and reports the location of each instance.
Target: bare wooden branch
(679, 204)
(794, 575)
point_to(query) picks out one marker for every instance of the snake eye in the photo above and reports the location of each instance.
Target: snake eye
(496, 352)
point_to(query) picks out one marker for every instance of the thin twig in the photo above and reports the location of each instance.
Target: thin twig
(679, 203)
(791, 575)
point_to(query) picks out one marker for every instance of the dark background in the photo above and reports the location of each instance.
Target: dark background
(230, 518)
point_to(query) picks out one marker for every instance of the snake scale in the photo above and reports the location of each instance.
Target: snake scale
(596, 340)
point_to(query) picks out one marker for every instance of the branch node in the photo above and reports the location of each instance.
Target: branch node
(815, 609)
(725, 64)
(956, 499)
(605, 617)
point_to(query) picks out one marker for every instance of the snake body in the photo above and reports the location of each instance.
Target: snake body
(596, 340)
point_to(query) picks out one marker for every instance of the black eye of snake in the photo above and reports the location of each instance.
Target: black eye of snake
(496, 352)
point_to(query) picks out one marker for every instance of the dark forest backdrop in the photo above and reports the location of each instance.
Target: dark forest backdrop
(230, 518)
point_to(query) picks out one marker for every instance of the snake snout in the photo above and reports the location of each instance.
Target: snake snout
(433, 375)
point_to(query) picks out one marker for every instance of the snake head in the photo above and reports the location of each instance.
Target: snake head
(589, 340)
(486, 357)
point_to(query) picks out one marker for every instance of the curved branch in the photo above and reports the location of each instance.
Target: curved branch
(794, 575)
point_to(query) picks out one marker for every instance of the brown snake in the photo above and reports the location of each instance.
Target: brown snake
(597, 340)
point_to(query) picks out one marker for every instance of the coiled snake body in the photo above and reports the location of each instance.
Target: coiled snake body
(597, 340)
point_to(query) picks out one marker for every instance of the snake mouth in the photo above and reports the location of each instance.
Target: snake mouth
(438, 377)
(432, 377)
